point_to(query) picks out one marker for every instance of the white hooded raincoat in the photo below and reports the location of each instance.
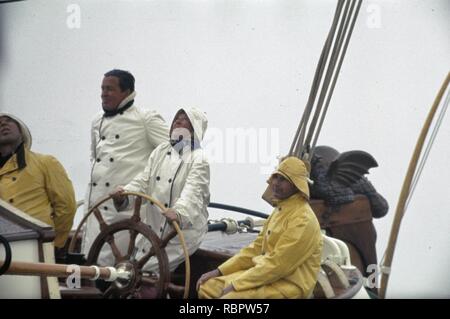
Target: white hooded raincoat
(180, 182)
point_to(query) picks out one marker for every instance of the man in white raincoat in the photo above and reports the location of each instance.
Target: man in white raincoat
(177, 175)
(123, 137)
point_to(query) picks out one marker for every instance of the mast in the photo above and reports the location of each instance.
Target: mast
(410, 181)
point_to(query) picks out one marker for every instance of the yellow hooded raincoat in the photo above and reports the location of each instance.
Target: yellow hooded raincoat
(282, 262)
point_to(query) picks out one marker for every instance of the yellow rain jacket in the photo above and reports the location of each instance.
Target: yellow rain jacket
(41, 189)
(285, 256)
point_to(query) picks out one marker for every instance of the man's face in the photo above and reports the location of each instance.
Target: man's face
(181, 126)
(9, 131)
(112, 95)
(282, 188)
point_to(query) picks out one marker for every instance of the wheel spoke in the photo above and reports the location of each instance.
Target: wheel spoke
(150, 288)
(131, 252)
(100, 219)
(146, 257)
(166, 239)
(109, 292)
(137, 209)
(150, 281)
(115, 250)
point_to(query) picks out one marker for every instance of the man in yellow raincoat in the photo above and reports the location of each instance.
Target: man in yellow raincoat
(35, 183)
(284, 260)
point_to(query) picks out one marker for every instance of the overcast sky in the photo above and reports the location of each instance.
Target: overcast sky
(249, 66)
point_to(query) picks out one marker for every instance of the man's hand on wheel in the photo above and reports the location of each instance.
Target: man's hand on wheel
(118, 197)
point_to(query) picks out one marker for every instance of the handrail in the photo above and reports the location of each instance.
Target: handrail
(238, 209)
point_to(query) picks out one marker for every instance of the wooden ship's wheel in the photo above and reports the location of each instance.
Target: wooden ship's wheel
(136, 283)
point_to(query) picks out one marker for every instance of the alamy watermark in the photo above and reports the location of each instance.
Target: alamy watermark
(373, 20)
(73, 281)
(244, 146)
(260, 146)
(373, 279)
(73, 20)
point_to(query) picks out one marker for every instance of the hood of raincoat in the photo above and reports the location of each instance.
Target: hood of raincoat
(198, 121)
(26, 135)
(295, 171)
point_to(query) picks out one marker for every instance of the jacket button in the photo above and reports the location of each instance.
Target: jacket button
(158, 178)
(170, 180)
(105, 208)
(107, 184)
(169, 153)
(166, 205)
(103, 138)
(11, 200)
(111, 159)
(14, 179)
(98, 160)
(117, 136)
(94, 184)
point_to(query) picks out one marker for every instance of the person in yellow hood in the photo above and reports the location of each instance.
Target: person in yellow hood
(284, 260)
(35, 183)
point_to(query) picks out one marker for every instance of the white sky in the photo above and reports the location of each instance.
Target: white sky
(249, 65)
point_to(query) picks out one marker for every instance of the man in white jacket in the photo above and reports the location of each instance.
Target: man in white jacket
(177, 175)
(123, 137)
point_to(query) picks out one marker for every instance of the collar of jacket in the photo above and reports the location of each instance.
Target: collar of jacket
(180, 146)
(19, 155)
(123, 106)
(290, 202)
(118, 110)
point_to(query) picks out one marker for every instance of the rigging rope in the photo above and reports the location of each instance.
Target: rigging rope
(337, 43)
(299, 135)
(341, 60)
